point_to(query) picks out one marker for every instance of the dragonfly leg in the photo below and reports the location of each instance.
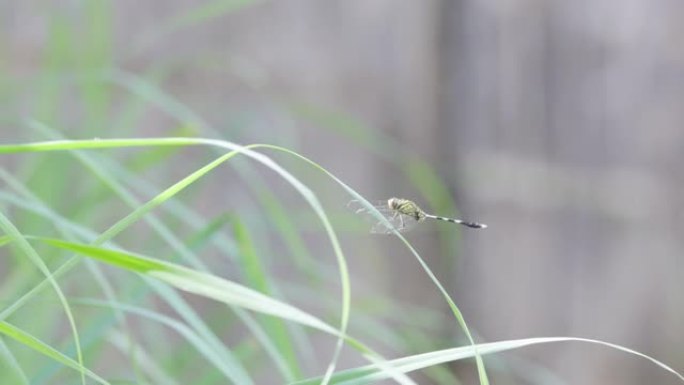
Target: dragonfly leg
(401, 218)
(391, 220)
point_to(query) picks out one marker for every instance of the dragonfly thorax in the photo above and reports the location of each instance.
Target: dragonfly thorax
(406, 207)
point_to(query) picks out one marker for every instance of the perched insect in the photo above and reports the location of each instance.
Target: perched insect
(403, 214)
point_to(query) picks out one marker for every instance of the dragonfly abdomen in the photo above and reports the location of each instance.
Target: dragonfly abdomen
(459, 221)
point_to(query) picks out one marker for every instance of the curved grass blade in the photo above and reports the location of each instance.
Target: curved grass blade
(144, 361)
(10, 230)
(187, 116)
(255, 273)
(422, 175)
(10, 361)
(474, 348)
(283, 358)
(239, 375)
(176, 301)
(213, 287)
(163, 289)
(367, 374)
(34, 343)
(212, 229)
(452, 305)
(93, 267)
(233, 367)
(228, 364)
(192, 281)
(183, 330)
(308, 195)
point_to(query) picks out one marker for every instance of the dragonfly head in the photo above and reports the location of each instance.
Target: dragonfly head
(393, 203)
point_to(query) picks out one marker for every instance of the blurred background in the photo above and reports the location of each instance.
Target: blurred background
(559, 124)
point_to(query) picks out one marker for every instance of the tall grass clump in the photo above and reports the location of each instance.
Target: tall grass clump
(130, 256)
(109, 322)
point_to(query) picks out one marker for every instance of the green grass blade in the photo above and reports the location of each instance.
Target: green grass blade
(191, 336)
(230, 365)
(257, 276)
(239, 374)
(371, 356)
(175, 107)
(148, 364)
(34, 343)
(4, 240)
(210, 232)
(368, 374)
(181, 112)
(8, 364)
(420, 173)
(94, 54)
(187, 116)
(196, 282)
(209, 10)
(170, 296)
(288, 231)
(452, 305)
(212, 229)
(9, 229)
(213, 287)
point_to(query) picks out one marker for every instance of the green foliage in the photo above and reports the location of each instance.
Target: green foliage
(210, 286)
(113, 272)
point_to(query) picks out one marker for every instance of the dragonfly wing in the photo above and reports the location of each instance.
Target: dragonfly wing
(394, 220)
(380, 228)
(370, 212)
(399, 222)
(360, 207)
(409, 223)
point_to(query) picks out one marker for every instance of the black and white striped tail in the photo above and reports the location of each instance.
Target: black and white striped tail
(473, 225)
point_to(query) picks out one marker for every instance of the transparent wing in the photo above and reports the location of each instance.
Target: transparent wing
(370, 214)
(360, 208)
(400, 222)
(394, 220)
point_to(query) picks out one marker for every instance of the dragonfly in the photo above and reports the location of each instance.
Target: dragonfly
(402, 215)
